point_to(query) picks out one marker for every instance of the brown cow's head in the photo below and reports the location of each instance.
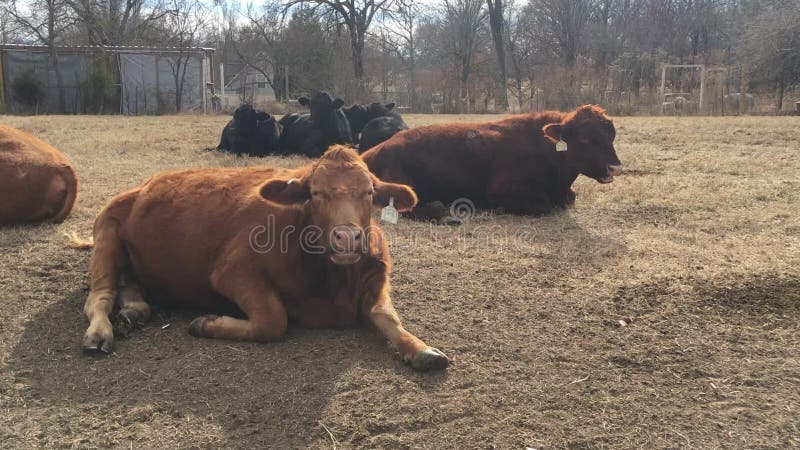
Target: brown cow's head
(340, 195)
(589, 135)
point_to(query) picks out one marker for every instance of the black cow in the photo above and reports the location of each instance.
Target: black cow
(384, 124)
(357, 118)
(251, 132)
(311, 134)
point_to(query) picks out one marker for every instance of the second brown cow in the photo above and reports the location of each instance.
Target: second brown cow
(513, 164)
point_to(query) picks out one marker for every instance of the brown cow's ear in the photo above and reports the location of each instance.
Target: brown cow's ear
(553, 131)
(285, 192)
(404, 197)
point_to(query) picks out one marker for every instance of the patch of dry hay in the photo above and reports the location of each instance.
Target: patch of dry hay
(697, 245)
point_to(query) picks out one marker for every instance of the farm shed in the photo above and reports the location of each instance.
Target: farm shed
(98, 79)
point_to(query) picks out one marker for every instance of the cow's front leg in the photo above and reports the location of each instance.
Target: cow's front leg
(266, 316)
(377, 307)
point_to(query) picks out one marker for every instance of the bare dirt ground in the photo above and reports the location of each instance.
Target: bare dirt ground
(695, 250)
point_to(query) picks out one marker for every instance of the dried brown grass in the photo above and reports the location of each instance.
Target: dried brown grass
(697, 244)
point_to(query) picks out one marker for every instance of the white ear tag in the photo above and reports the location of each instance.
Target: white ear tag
(389, 213)
(561, 146)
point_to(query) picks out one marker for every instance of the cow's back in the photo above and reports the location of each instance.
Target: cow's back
(177, 223)
(441, 162)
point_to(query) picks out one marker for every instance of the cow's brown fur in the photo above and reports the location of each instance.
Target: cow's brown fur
(37, 181)
(198, 239)
(510, 164)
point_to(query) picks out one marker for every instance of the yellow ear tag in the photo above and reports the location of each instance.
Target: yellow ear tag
(389, 213)
(561, 146)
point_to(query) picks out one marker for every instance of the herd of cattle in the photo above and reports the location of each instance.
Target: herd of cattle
(255, 133)
(155, 238)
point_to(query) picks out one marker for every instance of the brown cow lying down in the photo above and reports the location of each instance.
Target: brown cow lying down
(279, 244)
(36, 180)
(510, 164)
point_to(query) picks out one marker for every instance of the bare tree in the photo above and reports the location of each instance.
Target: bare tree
(564, 22)
(45, 21)
(496, 23)
(522, 49)
(184, 24)
(406, 17)
(772, 49)
(461, 32)
(357, 16)
(117, 22)
(257, 43)
(8, 28)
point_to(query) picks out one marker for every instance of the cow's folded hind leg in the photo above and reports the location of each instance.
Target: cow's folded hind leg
(266, 317)
(104, 266)
(133, 310)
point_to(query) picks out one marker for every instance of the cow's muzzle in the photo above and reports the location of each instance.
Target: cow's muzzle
(613, 170)
(347, 244)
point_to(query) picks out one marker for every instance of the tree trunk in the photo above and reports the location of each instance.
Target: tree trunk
(412, 81)
(779, 99)
(743, 91)
(496, 25)
(357, 48)
(463, 92)
(178, 87)
(51, 43)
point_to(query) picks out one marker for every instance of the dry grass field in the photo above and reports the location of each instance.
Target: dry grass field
(662, 312)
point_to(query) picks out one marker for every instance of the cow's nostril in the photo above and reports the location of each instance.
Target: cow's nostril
(357, 234)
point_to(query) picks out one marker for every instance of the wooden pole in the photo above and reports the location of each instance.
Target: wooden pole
(660, 105)
(743, 82)
(204, 64)
(286, 82)
(2, 86)
(702, 87)
(222, 100)
(158, 87)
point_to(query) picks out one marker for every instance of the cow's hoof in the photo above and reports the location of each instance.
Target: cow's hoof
(196, 327)
(127, 320)
(98, 341)
(430, 359)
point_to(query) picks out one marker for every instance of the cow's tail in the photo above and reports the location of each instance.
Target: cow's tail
(77, 242)
(71, 180)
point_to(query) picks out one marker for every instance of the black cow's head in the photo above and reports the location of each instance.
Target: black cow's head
(244, 119)
(327, 113)
(589, 135)
(266, 128)
(356, 117)
(263, 119)
(379, 110)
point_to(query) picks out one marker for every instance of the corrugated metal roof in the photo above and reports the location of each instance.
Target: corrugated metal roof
(110, 48)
